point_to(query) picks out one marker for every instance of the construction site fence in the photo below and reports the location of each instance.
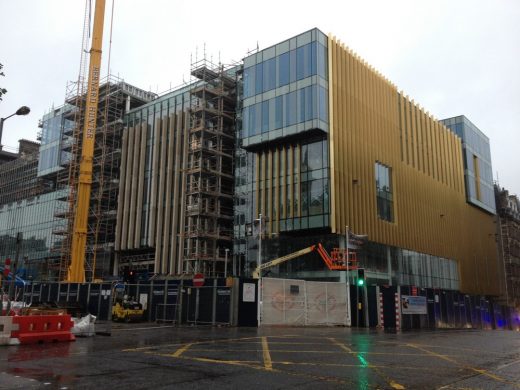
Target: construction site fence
(385, 306)
(226, 302)
(175, 301)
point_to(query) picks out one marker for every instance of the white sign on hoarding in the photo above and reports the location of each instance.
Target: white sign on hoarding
(413, 305)
(143, 300)
(248, 294)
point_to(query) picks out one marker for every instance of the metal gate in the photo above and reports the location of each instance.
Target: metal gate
(299, 302)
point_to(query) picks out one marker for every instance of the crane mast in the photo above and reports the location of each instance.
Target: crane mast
(76, 272)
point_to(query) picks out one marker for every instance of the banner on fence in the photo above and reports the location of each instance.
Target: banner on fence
(413, 304)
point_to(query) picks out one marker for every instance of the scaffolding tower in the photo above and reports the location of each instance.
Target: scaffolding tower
(209, 172)
(115, 98)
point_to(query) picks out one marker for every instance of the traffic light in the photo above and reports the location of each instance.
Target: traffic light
(129, 275)
(361, 277)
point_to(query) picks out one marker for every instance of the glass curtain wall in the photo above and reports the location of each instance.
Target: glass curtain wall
(281, 171)
(285, 89)
(478, 172)
(54, 125)
(34, 218)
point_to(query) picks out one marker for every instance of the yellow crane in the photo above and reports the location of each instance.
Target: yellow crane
(76, 272)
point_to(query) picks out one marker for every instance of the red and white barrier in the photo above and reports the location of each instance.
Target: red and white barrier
(397, 312)
(381, 312)
(43, 328)
(6, 329)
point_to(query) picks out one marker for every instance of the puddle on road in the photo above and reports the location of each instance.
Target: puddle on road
(44, 376)
(24, 353)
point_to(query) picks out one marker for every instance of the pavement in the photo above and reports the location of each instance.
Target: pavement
(145, 356)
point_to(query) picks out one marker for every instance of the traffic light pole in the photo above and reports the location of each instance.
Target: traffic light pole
(10, 294)
(357, 304)
(349, 312)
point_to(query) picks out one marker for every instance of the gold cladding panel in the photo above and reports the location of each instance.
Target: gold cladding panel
(371, 121)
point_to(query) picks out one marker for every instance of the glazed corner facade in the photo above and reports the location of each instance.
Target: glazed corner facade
(369, 125)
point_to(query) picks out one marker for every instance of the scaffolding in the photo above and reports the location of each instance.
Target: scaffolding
(115, 98)
(508, 238)
(209, 172)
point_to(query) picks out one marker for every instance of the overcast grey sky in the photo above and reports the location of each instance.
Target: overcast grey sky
(453, 57)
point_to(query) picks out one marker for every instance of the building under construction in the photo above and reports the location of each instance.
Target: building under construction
(115, 98)
(58, 168)
(175, 209)
(209, 175)
(508, 238)
(19, 176)
(26, 206)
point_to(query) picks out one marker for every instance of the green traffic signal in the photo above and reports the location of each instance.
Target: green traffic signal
(361, 277)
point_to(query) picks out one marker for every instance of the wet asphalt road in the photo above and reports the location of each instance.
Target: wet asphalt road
(144, 356)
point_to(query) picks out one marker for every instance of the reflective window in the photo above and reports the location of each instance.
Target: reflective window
(306, 104)
(245, 122)
(310, 103)
(306, 61)
(322, 61)
(259, 78)
(384, 192)
(278, 116)
(254, 120)
(292, 66)
(290, 109)
(283, 69)
(323, 104)
(269, 75)
(314, 156)
(272, 113)
(316, 197)
(304, 198)
(265, 116)
(300, 63)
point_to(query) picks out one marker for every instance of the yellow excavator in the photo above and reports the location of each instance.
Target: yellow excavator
(339, 260)
(76, 272)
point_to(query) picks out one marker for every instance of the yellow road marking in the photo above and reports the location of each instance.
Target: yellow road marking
(311, 352)
(202, 342)
(193, 343)
(268, 364)
(256, 366)
(393, 384)
(287, 363)
(230, 362)
(181, 350)
(254, 363)
(400, 344)
(477, 370)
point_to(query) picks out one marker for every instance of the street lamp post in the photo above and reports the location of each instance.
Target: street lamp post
(259, 286)
(24, 110)
(234, 265)
(259, 240)
(225, 264)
